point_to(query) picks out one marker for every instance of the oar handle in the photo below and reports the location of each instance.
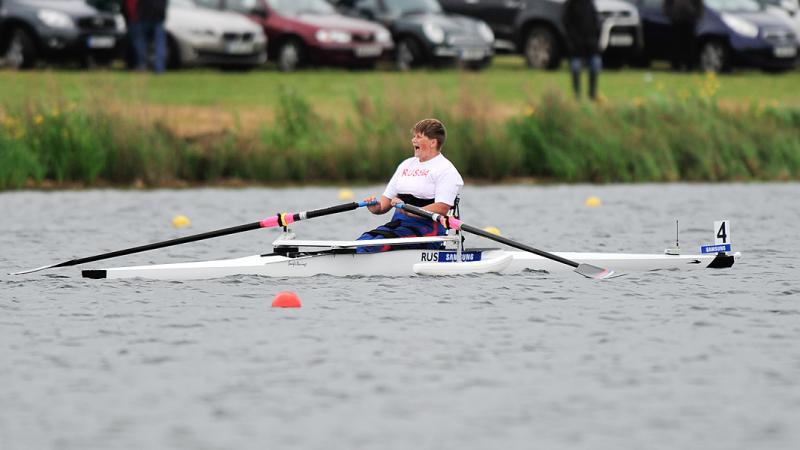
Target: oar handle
(282, 219)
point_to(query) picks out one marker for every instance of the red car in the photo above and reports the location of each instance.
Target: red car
(304, 32)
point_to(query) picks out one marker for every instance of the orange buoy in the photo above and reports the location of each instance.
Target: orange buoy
(286, 299)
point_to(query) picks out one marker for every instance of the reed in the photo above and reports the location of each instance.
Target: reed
(661, 137)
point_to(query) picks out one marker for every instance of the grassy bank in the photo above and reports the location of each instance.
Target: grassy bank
(690, 134)
(198, 102)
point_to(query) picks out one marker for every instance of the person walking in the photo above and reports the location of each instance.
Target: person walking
(148, 23)
(684, 15)
(582, 27)
(427, 180)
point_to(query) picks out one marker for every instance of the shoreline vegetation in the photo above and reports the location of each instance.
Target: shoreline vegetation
(684, 135)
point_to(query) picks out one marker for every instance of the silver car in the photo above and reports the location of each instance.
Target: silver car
(198, 35)
(33, 31)
(621, 35)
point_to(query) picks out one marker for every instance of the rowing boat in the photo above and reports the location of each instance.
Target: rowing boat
(300, 258)
(297, 258)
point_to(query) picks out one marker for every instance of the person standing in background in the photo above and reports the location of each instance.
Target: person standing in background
(129, 14)
(582, 27)
(684, 15)
(150, 16)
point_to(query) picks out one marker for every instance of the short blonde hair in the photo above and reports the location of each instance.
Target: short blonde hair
(432, 129)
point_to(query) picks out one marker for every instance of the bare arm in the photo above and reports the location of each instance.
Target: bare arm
(384, 204)
(438, 207)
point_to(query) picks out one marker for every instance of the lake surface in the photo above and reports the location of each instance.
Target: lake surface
(661, 360)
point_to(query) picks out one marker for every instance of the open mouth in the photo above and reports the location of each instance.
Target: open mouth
(416, 148)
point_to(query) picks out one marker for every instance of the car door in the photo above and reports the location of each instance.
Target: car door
(657, 28)
(500, 15)
(372, 10)
(472, 8)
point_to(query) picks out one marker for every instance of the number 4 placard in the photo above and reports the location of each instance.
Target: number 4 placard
(722, 232)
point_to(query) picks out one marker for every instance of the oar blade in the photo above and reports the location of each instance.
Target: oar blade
(35, 270)
(594, 272)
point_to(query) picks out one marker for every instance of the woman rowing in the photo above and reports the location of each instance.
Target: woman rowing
(427, 180)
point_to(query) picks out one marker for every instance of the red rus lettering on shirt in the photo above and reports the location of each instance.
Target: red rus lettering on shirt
(416, 172)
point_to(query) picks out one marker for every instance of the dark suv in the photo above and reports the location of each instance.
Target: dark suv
(425, 35)
(534, 29)
(57, 30)
(731, 33)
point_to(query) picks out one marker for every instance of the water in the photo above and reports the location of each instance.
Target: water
(660, 360)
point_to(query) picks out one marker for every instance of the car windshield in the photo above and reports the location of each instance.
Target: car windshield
(292, 7)
(103, 5)
(183, 3)
(783, 4)
(733, 5)
(413, 6)
(245, 6)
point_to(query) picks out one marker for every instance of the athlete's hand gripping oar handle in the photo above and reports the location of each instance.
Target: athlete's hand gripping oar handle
(586, 270)
(278, 220)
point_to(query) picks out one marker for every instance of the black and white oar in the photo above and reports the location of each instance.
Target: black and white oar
(278, 220)
(586, 270)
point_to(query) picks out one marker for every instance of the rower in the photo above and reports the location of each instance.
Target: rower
(427, 180)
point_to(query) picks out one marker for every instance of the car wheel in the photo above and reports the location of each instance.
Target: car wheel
(290, 56)
(541, 49)
(21, 52)
(714, 57)
(173, 55)
(408, 54)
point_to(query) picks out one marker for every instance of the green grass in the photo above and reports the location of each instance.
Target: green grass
(507, 85)
(96, 128)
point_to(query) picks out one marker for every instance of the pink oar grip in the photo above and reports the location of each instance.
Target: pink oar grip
(275, 221)
(270, 222)
(450, 222)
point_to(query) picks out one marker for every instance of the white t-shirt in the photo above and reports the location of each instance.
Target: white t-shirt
(436, 179)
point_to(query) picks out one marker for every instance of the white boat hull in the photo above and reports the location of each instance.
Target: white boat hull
(404, 262)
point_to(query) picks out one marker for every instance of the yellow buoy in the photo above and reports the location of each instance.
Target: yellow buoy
(345, 194)
(180, 221)
(493, 230)
(593, 202)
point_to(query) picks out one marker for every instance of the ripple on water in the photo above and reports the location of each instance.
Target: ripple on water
(466, 362)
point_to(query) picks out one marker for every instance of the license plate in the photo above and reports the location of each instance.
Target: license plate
(368, 51)
(620, 40)
(238, 47)
(785, 52)
(101, 42)
(472, 54)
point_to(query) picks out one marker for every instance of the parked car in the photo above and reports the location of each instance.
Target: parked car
(731, 33)
(197, 35)
(789, 10)
(426, 35)
(34, 31)
(534, 29)
(303, 32)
